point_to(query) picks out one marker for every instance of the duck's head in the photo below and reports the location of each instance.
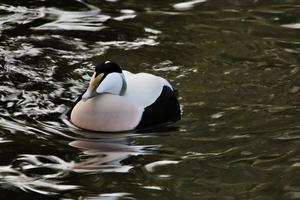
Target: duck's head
(107, 78)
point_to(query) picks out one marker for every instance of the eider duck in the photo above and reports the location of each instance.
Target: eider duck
(117, 100)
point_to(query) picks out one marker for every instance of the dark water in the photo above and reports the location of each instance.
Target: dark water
(234, 62)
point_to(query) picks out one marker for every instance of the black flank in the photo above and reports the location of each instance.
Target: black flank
(165, 109)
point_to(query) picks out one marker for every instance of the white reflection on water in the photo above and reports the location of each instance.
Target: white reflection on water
(128, 45)
(2, 140)
(111, 196)
(90, 20)
(165, 66)
(126, 14)
(75, 20)
(151, 166)
(10, 177)
(19, 15)
(293, 25)
(187, 5)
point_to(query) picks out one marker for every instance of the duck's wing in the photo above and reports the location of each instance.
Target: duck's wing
(143, 89)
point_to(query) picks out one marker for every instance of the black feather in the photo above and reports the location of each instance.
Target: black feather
(165, 109)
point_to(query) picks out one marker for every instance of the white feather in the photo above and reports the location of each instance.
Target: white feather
(143, 89)
(112, 84)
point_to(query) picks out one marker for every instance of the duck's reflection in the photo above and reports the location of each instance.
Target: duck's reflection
(106, 154)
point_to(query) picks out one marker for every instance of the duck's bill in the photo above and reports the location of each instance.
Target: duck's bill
(87, 95)
(94, 82)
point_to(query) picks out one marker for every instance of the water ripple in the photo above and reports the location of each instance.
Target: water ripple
(74, 20)
(18, 15)
(43, 174)
(128, 45)
(151, 166)
(10, 177)
(106, 157)
(293, 25)
(235, 64)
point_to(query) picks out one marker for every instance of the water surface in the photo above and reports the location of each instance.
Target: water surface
(235, 64)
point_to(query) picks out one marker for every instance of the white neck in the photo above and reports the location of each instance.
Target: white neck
(113, 83)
